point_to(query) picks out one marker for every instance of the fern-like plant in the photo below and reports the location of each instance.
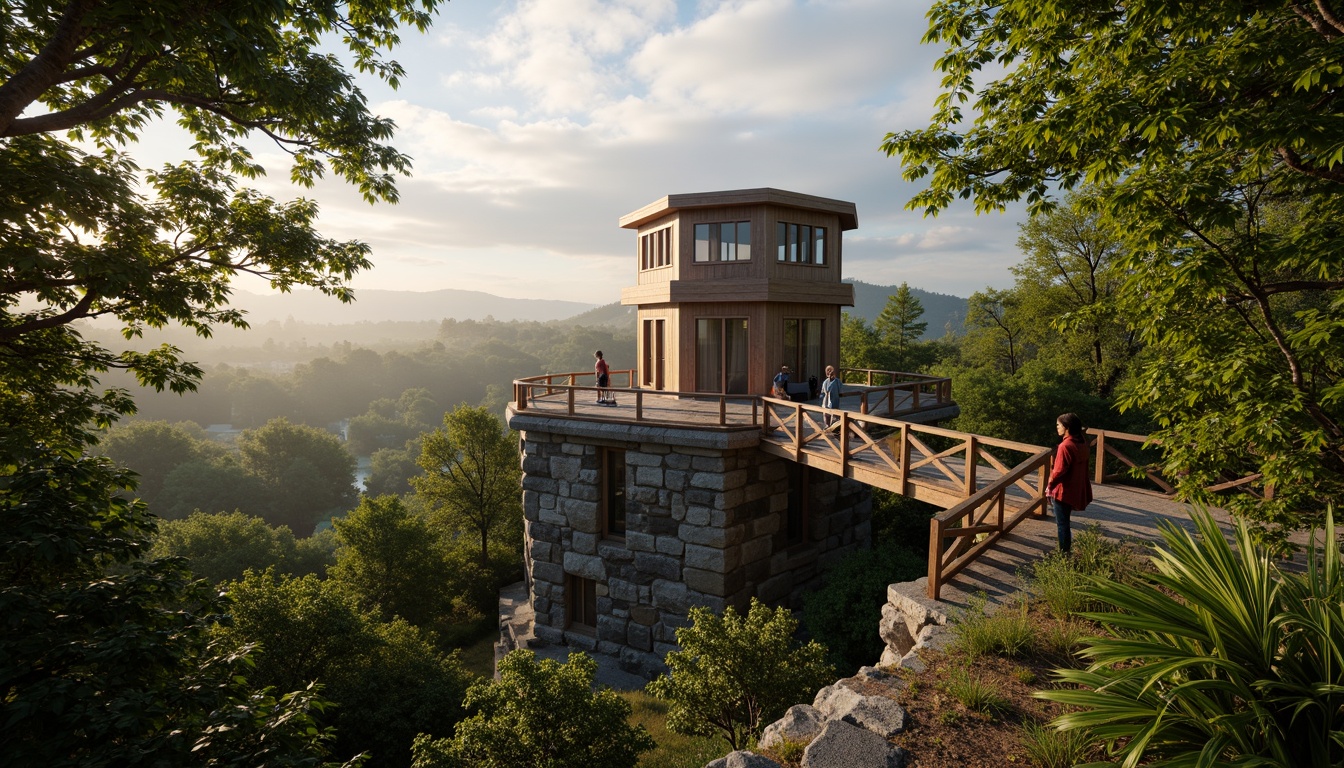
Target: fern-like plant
(1218, 658)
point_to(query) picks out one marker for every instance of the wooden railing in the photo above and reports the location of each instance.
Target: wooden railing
(976, 523)
(567, 386)
(904, 393)
(1104, 442)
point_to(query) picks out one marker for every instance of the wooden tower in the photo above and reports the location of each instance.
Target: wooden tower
(732, 285)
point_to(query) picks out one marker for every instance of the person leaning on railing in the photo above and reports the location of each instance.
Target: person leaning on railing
(1069, 487)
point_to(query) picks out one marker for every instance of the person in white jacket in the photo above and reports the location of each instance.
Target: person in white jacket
(830, 395)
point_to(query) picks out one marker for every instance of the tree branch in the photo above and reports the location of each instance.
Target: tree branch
(1295, 161)
(46, 67)
(81, 309)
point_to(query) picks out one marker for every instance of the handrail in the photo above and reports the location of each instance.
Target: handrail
(924, 392)
(973, 512)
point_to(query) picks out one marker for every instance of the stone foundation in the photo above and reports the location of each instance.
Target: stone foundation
(706, 525)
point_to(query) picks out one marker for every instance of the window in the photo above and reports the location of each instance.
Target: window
(581, 595)
(655, 249)
(613, 491)
(721, 355)
(802, 348)
(800, 243)
(728, 241)
(655, 353)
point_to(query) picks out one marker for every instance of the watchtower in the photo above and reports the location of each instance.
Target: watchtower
(732, 285)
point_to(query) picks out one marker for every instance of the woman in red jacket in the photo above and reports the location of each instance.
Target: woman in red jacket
(1070, 487)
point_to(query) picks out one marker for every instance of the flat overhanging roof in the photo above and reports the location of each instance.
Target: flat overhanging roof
(849, 217)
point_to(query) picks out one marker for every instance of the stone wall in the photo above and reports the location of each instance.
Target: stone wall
(705, 516)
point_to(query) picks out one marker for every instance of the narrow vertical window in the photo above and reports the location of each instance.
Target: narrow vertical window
(581, 596)
(819, 245)
(781, 241)
(613, 491)
(793, 242)
(702, 242)
(743, 240)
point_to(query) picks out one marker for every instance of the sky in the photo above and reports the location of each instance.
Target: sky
(534, 125)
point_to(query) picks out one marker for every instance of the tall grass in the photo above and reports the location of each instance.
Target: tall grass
(1004, 632)
(1048, 747)
(672, 750)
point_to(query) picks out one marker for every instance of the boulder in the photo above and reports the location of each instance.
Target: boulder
(841, 745)
(801, 723)
(879, 714)
(743, 759)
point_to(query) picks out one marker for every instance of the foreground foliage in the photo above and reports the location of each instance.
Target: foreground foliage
(734, 674)
(108, 660)
(1219, 657)
(539, 714)
(1213, 132)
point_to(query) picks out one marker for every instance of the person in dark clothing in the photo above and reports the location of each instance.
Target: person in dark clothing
(1069, 486)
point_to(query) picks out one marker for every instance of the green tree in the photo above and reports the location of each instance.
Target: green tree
(1216, 657)
(387, 679)
(98, 72)
(307, 471)
(1225, 188)
(860, 345)
(106, 658)
(472, 475)
(221, 485)
(900, 329)
(153, 449)
(997, 332)
(391, 559)
(391, 469)
(221, 546)
(540, 714)
(734, 674)
(1069, 284)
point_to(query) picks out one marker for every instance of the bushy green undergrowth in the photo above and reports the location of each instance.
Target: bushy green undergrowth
(844, 614)
(1060, 581)
(671, 750)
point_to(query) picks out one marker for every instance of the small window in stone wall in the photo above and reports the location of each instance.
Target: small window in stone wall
(795, 516)
(581, 594)
(613, 492)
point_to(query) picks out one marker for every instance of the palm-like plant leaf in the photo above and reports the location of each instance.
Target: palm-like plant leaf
(1219, 658)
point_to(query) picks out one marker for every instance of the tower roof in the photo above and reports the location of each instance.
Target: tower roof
(849, 218)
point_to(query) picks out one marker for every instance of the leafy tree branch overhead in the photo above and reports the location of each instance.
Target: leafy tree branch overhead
(1215, 131)
(82, 237)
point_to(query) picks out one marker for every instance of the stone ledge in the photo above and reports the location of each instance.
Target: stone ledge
(705, 436)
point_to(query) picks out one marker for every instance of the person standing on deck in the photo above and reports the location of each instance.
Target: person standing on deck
(781, 383)
(830, 394)
(1069, 487)
(603, 372)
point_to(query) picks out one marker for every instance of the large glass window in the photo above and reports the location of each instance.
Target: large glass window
(802, 348)
(613, 491)
(723, 241)
(800, 243)
(721, 355)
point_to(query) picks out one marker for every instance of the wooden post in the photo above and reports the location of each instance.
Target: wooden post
(723, 410)
(520, 397)
(571, 401)
(863, 401)
(935, 557)
(844, 443)
(1099, 471)
(639, 405)
(972, 458)
(903, 459)
(797, 431)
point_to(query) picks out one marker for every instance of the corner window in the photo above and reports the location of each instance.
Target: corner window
(800, 243)
(613, 492)
(655, 249)
(726, 241)
(581, 594)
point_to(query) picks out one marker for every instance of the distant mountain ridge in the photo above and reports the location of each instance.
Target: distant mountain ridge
(374, 305)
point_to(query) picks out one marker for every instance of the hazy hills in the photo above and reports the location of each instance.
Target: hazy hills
(376, 306)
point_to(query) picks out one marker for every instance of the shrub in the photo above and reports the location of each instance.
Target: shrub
(1059, 580)
(975, 694)
(1064, 638)
(736, 673)
(980, 631)
(1051, 748)
(844, 614)
(1216, 657)
(539, 714)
